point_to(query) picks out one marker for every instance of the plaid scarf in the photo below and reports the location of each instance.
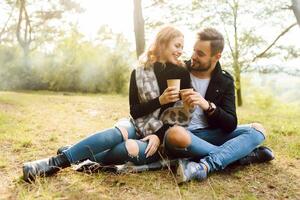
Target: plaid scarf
(147, 89)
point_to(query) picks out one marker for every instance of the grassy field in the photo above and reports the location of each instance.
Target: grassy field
(34, 124)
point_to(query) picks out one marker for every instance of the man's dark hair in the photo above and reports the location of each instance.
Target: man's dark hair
(215, 37)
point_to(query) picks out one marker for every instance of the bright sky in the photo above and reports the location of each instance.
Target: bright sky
(117, 14)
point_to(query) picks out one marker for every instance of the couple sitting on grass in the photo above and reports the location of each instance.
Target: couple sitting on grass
(197, 127)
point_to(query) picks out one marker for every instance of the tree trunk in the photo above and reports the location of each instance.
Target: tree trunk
(139, 29)
(238, 87)
(239, 91)
(296, 9)
(236, 64)
(239, 97)
(24, 33)
(24, 38)
(26, 61)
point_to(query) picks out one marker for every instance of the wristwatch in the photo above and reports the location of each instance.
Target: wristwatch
(212, 107)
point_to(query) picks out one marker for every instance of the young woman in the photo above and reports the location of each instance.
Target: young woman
(135, 140)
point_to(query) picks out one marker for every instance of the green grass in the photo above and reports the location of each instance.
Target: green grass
(34, 124)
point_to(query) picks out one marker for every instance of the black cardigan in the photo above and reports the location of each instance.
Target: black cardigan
(170, 71)
(221, 92)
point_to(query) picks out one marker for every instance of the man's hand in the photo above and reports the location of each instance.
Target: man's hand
(153, 144)
(170, 95)
(193, 98)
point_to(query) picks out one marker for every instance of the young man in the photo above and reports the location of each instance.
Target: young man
(213, 134)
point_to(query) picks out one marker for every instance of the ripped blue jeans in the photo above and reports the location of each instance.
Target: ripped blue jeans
(113, 146)
(216, 148)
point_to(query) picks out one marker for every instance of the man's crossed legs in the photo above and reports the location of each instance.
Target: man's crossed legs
(216, 149)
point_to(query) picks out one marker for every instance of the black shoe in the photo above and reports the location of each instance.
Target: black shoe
(258, 155)
(61, 149)
(44, 167)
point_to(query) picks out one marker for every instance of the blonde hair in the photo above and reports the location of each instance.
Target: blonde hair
(161, 42)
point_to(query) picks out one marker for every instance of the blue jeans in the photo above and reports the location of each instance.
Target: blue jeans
(218, 149)
(108, 147)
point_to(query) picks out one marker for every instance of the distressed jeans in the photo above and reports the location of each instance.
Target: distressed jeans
(216, 148)
(108, 147)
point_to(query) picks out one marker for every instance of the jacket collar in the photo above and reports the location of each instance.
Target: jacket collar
(214, 86)
(217, 72)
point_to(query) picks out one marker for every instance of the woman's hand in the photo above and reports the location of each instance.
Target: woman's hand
(153, 144)
(170, 95)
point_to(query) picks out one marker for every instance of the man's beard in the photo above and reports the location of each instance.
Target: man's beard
(199, 67)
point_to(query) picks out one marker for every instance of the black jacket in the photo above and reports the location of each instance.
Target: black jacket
(221, 92)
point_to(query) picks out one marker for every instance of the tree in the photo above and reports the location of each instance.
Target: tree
(33, 26)
(10, 12)
(244, 41)
(24, 30)
(77, 64)
(296, 9)
(34, 21)
(139, 29)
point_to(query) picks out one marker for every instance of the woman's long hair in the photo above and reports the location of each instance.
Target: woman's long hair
(161, 42)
